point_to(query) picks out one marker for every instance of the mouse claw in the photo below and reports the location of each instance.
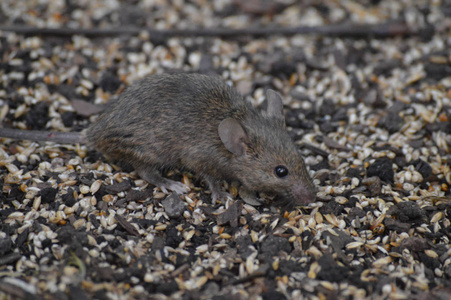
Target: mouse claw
(219, 195)
(154, 177)
(178, 187)
(216, 192)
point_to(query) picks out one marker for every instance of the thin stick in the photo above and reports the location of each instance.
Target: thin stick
(340, 30)
(43, 136)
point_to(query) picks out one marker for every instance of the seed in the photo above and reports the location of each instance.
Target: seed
(95, 186)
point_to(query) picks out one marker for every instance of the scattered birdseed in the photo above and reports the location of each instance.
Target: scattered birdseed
(372, 116)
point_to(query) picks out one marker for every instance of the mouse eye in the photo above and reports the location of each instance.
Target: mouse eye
(281, 171)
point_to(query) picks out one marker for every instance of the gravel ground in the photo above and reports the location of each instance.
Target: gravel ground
(372, 117)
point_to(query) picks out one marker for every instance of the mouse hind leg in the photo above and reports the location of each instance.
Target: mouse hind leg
(153, 176)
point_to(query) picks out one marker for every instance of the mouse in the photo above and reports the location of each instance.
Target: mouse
(198, 123)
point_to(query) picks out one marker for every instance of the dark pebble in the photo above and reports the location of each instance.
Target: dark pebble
(16, 194)
(356, 212)
(416, 143)
(47, 243)
(68, 235)
(173, 206)
(9, 258)
(116, 188)
(423, 167)
(167, 288)
(92, 156)
(94, 221)
(283, 69)
(102, 205)
(374, 185)
(104, 273)
(327, 108)
(206, 64)
(158, 243)
(340, 241)
(22, 238)
(5, 245)
(110, 82)
(332, 207)
(447, 272)
(395, 225)
(273, 295)
(68, 118)
(386, 66)
(181, 260)
(243, 244)
(136, 195)
(392, 122)
(400, 161)
(317, 64)
(334, 177)
(373, 97)
(87, 179)
(437, 71)
(290, 266)
(321, 165)
(145, 223)
(126, 225)
(272, 245)
(340, 115)
(409, 211)
(307, 239)
(327, 127)
(354, 172)
(48, 195)
(429, 262)
(69, 199)
(415, 244)
(130, 15)
(439, 126)
(231, 215)
(340, 59)
(68, 91)
(397, 107)
(299, 95)
(210, 288)
(7, 229)
(382, 168)
(37, 117)
(293, 119)
(330, 270)
(77, 293)
(173, 237)
(115, 243)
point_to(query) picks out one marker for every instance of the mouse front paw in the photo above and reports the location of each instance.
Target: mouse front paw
(219, 195)
(151, 175)
(250, 197)
(176, 187)
(215, 188)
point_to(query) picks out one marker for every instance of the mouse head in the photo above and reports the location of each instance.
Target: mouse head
(265, 158)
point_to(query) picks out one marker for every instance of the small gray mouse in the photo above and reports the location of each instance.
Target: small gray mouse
(198, 123)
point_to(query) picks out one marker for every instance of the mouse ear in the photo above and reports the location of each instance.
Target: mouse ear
(233, 136)
(275, 104)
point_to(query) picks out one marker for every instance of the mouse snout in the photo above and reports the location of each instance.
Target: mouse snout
(303, 195)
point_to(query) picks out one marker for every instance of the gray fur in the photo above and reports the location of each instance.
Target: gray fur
(173, 121)
(198, 123)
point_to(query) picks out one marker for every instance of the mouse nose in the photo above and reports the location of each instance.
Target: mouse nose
(304, 194)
